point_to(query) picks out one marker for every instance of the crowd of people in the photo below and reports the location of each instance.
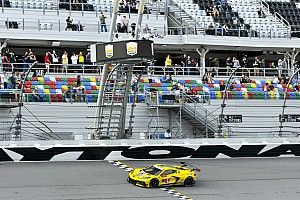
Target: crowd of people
(49, 62)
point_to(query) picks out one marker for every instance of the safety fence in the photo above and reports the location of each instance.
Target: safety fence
(176, 70)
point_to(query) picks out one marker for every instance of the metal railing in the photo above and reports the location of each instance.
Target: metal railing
(154, 70)
(72, 8)
(58, 25)
(206, 117)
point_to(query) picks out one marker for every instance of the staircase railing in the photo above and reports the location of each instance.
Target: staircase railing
(201, 114)
(189, 29)
(266, 8)
(283, 20)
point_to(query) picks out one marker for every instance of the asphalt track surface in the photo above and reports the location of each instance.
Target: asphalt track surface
(243, 179)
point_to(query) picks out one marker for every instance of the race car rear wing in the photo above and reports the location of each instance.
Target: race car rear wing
(193, 168)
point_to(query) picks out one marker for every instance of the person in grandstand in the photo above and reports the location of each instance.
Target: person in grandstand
(32, 57)
(35, 95)
(228, 65)
(47, 60)
(69, 26)
(68, 95)
(5, 80)
(168, 134)
(119, 23)
(103, 23)
(125, 23)
(235, 62)
(78, 81)
(81, 58)
(13, 81)
(55, 60)
(65, 61)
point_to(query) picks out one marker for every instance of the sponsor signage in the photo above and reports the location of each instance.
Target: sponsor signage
(232, 118)
(146, 152)
(289, 118)
(122, 51)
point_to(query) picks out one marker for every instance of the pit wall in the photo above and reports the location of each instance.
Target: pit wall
(33, 151)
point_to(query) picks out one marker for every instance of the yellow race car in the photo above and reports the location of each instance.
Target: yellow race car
(164, 175)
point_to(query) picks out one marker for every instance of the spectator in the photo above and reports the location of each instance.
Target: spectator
(188, 63)
(256, 66)
(125, 23)
(225, 29)
(47, 60)
(211, 26)
(35, 94)
(74, 59)
(228, 65)
(103, 23)
(235, 62)
(5, 80)
(68, 95)
(169, 79)
(81, 58)
(32, 57)
(78, 81)
(215, 11)
(216, 65)
(119, 23)
(81, 95)
(168, 61)
(69, 21)
(168, 134)
(88, 58)
(245, 65)
(55, 60)
(13, 81)
(26, 60)
(222, 86)
(280, 66)
(65, 61)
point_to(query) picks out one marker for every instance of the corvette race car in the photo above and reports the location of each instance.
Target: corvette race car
(163, 175)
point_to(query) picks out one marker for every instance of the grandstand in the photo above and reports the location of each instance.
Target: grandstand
(187, 104)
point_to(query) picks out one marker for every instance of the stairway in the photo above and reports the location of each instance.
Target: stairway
(204, 124)
(113, 108)
(179, 22)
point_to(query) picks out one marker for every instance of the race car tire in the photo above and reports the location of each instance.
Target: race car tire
(153, 183)
(189, 181)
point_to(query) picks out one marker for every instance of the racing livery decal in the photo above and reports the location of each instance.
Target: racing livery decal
(145, 152)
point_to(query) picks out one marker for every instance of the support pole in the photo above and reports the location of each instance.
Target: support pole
(19, 115)
(138, 27)
(121, 132)
(105, 71)
(223, 105)
(294, 54)
(202, 54)
(284, 102)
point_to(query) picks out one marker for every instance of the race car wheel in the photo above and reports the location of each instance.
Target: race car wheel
(189, 181)
(153, 183)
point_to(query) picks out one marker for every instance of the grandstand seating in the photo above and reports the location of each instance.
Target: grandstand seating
(241, 17)
(289, 11)
(53, 88)
(264, 23)
(227, 16)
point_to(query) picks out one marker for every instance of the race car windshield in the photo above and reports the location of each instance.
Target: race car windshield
(152, 170)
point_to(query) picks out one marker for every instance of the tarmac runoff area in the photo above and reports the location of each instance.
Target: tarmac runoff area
(243, 179)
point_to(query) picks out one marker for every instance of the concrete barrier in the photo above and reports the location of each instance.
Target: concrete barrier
(147, 149)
